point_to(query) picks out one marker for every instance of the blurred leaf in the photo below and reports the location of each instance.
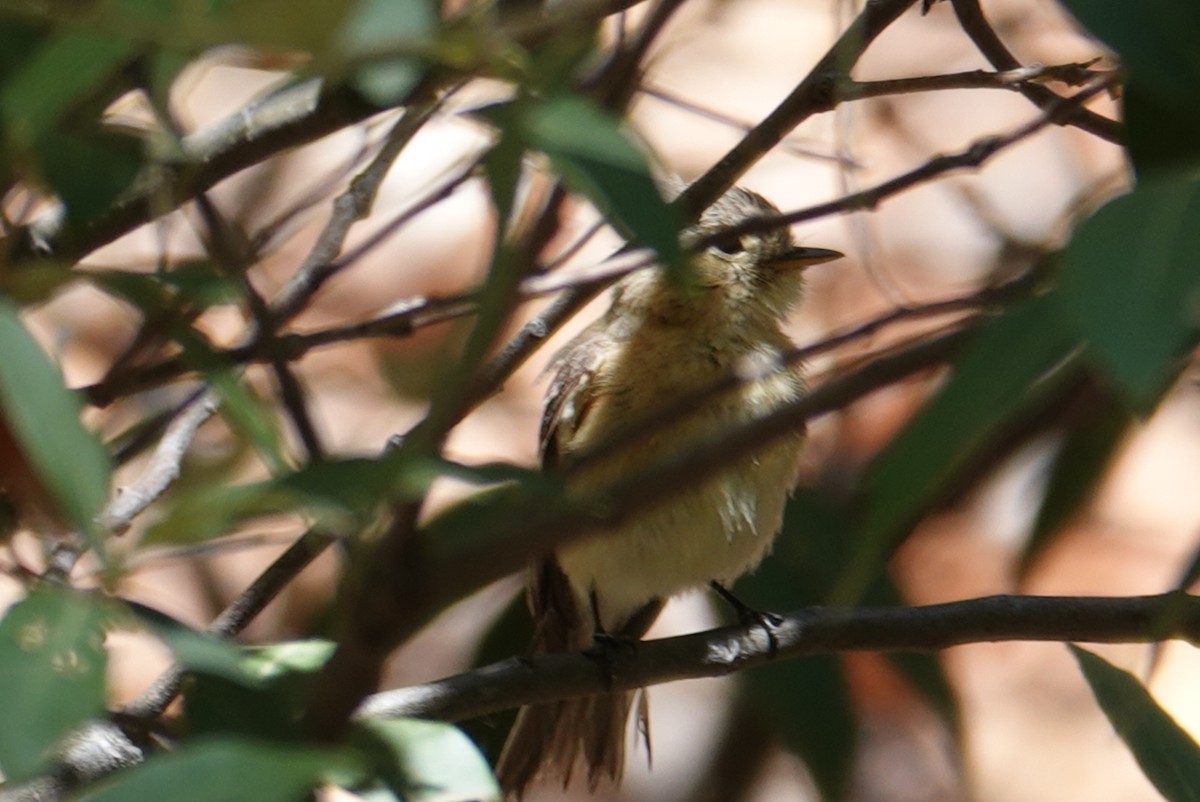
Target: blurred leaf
(88, 172)
(376, 27)
(1013, 360)
(226, 769)
(268, 697)
(52, 669)
(511, 633)
(1168, 756)
(1156, 40)
(44, 419)
(816, 544)
(199, 285)
(809, 705)
(234, 689)
(194, 650)
(336, 492)
(595, 158)
(1078, 466)
(1129, 286)
(37, 93)
(1162, 134)
(206, 512)
(428, 761)
(925, 674)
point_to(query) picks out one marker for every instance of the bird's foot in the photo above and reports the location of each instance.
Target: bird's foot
(748, 615)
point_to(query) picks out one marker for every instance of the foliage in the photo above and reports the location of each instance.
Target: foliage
(1108, 321)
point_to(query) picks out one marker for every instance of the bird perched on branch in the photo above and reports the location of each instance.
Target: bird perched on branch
(662, 338)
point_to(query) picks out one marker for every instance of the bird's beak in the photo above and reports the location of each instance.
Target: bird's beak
(805, 257)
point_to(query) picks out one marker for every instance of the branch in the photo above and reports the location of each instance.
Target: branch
(522, 681)
(1014, 80)
(975, 25)
(163, 467)
(971, 157)
(296, 115)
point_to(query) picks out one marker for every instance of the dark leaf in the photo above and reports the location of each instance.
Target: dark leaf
(1129, 283)
(1013, 360)
(226, 769)
(52, 669)
(588, 148)
(43, 416)
(1085, 453)
(1168, 756)
(428, 761)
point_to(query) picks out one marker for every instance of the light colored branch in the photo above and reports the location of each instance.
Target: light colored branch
(163, 468)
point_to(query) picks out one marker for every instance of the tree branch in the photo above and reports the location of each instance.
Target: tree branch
(529, 680)
(975, 25)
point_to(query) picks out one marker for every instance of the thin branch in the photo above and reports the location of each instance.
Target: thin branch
(970, 158)
(231, 248)
(146, 376)
(348, 208)
(816, 93)
(789, 144)
(163, 468)
(522, 681)
(295, 115)
(975, 25)
(1074, 74)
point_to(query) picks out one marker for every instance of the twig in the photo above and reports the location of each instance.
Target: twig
(516, 682)
(234, 618)
(788, 144)
(971, 157)
(163, 468)
(975, 25)
(816, 93)
(1075, 74)
(348, 208)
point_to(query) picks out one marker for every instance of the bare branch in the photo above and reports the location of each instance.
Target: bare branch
(163, 468)
(522, 681)
(975, 25)
(971, 157)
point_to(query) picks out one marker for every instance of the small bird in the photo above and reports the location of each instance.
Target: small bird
(660, 339)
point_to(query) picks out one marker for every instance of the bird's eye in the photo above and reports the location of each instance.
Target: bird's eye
(731, 246)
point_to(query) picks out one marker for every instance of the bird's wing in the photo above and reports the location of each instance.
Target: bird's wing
(573, 391)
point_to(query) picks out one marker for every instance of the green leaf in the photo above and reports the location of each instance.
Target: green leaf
(1086, 452)
(814, 548)
(1014, 360)
(226, 769)
(375, 27)
(266, 699)
(196, 651)
(1130, 283)
(88, 172)
(808, 703)
(55, 77)
(428, 761)
(1156, 41)
(44, 419)
(1168, 756)
(52, 664)
(590, 151)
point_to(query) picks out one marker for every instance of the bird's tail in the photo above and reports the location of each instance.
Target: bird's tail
(551, 740)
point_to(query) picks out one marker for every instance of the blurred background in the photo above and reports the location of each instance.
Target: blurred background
(1027, 727)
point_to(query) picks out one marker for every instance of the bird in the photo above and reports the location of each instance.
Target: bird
(662, 337)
